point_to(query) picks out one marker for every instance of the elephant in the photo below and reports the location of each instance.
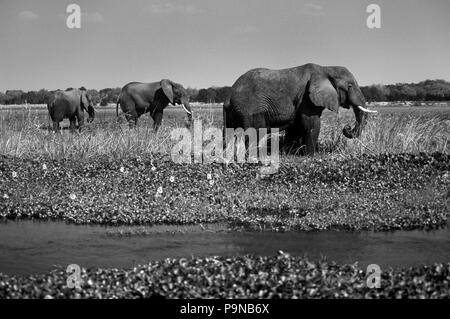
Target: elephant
(137, 98)
(70, 104)
(293, 100)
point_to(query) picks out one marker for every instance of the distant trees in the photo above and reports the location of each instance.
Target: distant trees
(42, 96)
(212, 95)
(109, 95)
(375, 92)
(3, 98)
(31, 97)
(429, 90)
(222, 93)
(20, 97)
(192, 92)
(15, 96)
(436, 90)
(202, 96)
(95, 96)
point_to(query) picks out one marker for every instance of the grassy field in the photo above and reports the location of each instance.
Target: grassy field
(395, 129)
(396, 176)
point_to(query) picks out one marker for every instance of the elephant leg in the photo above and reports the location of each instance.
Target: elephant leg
(56, 127)
(157, 118)
(72, 124)
(131, 117)
(80, 118)
(128, 107)
(310, 133)
(293, 134)
(294, 131)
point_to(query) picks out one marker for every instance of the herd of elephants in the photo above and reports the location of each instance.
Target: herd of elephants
(290, 99)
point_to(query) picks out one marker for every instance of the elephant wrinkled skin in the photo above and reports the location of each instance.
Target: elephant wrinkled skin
(70, 104)
(293, 100)
(137, 98)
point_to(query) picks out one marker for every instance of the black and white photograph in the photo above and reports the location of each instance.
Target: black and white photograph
(224, 149)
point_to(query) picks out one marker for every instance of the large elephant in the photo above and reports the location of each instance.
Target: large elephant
(137, 98)
(293, 100)
(70, 104)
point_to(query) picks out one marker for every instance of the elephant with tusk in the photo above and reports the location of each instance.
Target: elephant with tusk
(293, 100)
(137, 98)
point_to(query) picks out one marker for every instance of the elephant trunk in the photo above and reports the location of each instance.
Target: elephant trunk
(361, 115)
(91, 113)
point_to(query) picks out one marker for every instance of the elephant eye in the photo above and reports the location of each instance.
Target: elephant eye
(350, 85)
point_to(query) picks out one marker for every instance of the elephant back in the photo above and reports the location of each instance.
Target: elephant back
(63, 104)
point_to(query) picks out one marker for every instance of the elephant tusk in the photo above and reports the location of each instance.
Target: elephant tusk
(188, 112)
(366, 110)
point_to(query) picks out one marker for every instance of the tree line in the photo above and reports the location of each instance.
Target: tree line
(429, 90)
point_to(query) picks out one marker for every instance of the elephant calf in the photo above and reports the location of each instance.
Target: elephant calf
(293, 100)
(137, 98)
(70, 104)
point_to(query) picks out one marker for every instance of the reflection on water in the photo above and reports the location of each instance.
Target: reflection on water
(28, 247)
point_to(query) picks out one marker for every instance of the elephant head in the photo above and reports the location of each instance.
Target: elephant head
(335, 86)
(86, 104)
(177, 94)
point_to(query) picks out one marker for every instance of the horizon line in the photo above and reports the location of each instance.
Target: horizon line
(217, 86)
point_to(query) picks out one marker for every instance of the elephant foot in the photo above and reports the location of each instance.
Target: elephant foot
(298, 147)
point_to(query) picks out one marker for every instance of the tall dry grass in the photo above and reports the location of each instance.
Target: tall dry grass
(389, 133)
(24, 135)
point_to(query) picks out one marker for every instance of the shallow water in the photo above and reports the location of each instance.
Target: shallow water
(31, 247)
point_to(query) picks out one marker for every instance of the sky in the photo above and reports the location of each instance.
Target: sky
(203, 43)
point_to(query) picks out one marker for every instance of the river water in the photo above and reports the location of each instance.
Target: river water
(33, 247)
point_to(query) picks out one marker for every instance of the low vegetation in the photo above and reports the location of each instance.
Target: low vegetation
(376, 192)
(25, 134)
(281, 276)
(396, 176)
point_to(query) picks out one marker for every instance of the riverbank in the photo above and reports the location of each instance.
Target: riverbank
(371, 192)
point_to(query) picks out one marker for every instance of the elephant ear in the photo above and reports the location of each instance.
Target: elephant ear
(322, 93)
(84, 100)
(166, 86)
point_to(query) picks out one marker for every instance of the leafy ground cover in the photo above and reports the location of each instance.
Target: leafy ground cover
(279, 276)
(370, 192)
